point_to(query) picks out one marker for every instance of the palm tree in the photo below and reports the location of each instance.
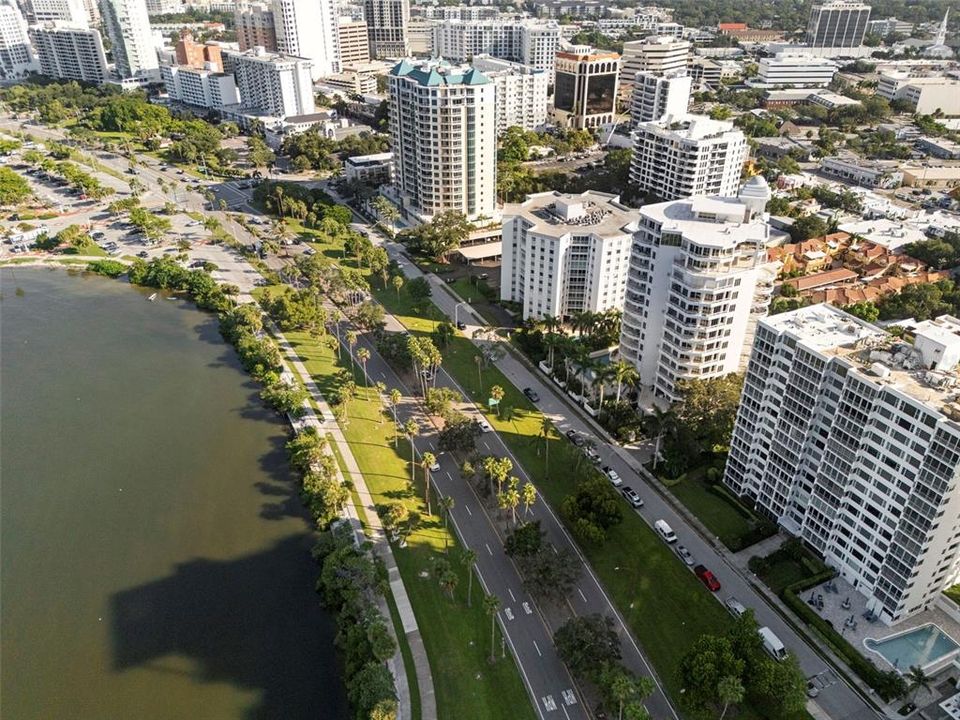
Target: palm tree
(446, 507)
(496, 393)
(512, 497)
(395, 397)
(545, 434)
(478, 359)
(528, 494)
(410, 430)
(397, 283)
(427, 460)
(625, 374)
(351, 338)
(448, 581)
(469, 559)
(917, 680)
(730, 691)
(381, 388)
(363, 355)
(491, 605)
(601, 374)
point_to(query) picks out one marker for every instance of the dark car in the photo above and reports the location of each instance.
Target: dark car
(632, 497)
(707, 578)
(531, 395)
(143, 254)
(461, 325)
(575, 437)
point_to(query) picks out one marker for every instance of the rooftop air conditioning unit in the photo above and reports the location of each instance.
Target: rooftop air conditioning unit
(880, 370)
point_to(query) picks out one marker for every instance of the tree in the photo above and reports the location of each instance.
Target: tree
(809, 226)
(410, 429)
(397, 282)
(710, 661)
(491, 605)
(625, 374)
(351, 338)
(586, 643)
(730, 691)
(525, 540)
(259, 153)
(439, 237)
(550, 573)
(865, 310)
(14, 189)
(592, 509)
(917, 680)
(395, 397)
(459, 433)
(427, 460)
(419, 289)
(528, 494)
(468, 559)
(363, 355)
(394, 516)
(386, 211)
(546, 428)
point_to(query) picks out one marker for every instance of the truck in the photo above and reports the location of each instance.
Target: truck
(772, 644)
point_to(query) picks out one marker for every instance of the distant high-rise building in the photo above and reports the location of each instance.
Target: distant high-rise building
(849, 438)
(16, 56)
(586, 86)
(656, 96)
(566, 254)
(70, 52)
(521, 92)
(699, 281)
(165, 7)
(444, 139)
(75, 12)
(533, 43)
(196, 55)
(655, 54)
(678, 157)
(354, 42)
(128, 27)
(837, 24)
(272, 84)
(387, 22)
(255, 27)
(307, 29)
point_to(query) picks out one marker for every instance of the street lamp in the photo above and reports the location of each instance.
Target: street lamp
(456, 311)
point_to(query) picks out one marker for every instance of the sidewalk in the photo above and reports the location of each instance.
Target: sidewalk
(381, 547)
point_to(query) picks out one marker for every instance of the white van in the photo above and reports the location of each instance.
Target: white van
(666, 532)
(772, 644)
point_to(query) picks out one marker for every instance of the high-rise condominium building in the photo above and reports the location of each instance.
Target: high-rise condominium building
(699, 280)
(655, 54)
(837, 24)
(387, 22)
(443, 128)
(128, 27)
(307, 29)
(255, 28)
(197, 55)
(199, 86)
(276, 85)
(521, 92)
(75, 12)
(586, 86)
(164, 7)
(687, 155)
(656, 96)
(16, 56)
(70, 52)
(850, 438)
(527, 42)
(566, 254)
(354, 44)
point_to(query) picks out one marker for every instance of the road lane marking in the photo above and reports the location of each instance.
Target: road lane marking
(569, 697)
(549, 703)
(554, 548)
(488, 549)
(449, 476)
(526, 608)
(564, 708)
(581, 594)
(467, 508)
(509, 613)
(511, 594)
(537, 648)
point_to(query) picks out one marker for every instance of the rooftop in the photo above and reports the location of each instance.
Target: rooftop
(885, 359)
(558, 214)
(436, 72)
(719, 221)
(691, 127)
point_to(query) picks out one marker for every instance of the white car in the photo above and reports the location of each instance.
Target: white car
(435, 467)
(484, 425)
(613, 476)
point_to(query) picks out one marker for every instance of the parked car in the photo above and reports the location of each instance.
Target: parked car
(685, 555)
(531, 395)
(735, 607)
(665, 531)
(632, 497)
(484, 425)
(435, 467)
(707, 578)
(772, 644)
(575, 437)
(309, 251)
(143, 254)
(461, 325)
(613, 476)
(592, 455)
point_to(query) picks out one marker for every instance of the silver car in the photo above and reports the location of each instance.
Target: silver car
(685, 555)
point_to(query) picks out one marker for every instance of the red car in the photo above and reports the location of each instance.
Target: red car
(707, 578)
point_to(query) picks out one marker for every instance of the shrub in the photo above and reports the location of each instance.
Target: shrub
(110, 268)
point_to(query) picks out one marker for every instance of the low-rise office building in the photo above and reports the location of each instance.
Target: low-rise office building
(926, 95)
(373, 170)
(795, 69)
(869, 173)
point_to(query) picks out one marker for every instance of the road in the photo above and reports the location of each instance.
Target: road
(838, 700)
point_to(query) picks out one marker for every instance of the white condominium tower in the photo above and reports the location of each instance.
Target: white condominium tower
(528, 42)
(443, 128)
(521, 92)
(837, 24)
(16, 57)
(850, 438)
(657, 96)
(274, 85)
(699, 281)
(128, 27)
(687, 155)
(76, 12)
(655, 54)
(566, 254)
(387, 22)
(307, 29)
(69, 52)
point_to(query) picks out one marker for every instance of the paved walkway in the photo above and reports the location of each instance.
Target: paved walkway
(378, 537)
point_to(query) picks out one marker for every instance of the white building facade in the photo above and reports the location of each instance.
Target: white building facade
(698, 283)
(521, 92)
(70, 52)
(688, 155)
(16, 55)
(443, 128)
(796, 69)
(848, 437)
(199, 87)
(656, 54)
(527, 42)
(307, 29)
(75, 12)
(128, 27)
(275, 85)
(656, 96)
(566, 254)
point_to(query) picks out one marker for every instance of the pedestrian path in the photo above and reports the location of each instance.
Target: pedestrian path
(381, 546)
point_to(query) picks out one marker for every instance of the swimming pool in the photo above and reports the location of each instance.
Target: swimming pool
(922, 646)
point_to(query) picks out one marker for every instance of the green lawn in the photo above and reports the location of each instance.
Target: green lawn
(87, 248)
(456, 637)
(713, 510)
(783, 570)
